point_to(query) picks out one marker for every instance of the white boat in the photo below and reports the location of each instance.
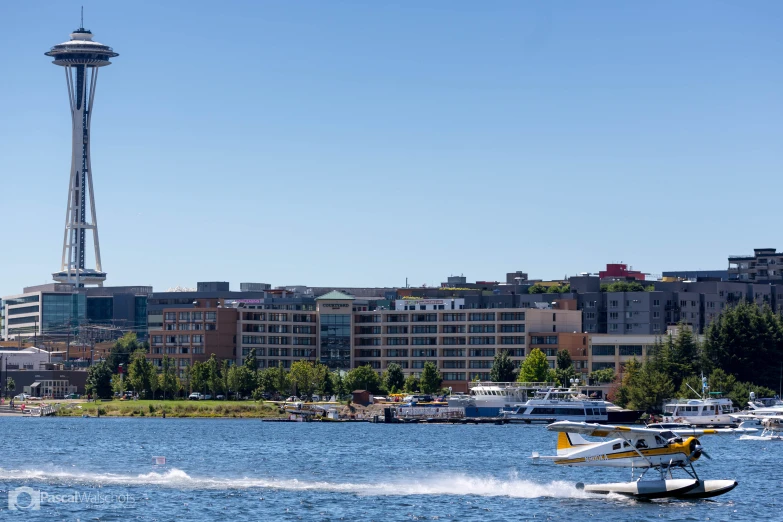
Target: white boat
(708, 410)
(558, 404)
(763, 407)
(486, 399)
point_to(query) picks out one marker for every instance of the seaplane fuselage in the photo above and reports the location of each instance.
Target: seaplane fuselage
(641, 451)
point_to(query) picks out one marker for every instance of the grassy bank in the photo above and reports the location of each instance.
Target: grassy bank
(177, 408)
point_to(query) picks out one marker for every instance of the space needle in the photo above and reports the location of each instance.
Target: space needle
(81, 58)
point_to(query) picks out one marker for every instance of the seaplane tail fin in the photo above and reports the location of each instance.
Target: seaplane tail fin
(567, 442)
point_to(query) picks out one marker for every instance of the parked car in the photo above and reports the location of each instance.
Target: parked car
(195, 396)
(206, 397)
(220, 397)
(21, 397)
(293, 398)
(72, 396)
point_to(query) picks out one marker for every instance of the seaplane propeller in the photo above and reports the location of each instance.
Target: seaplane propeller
(697, 450)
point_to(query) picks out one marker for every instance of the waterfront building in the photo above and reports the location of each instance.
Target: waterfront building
(82, 58)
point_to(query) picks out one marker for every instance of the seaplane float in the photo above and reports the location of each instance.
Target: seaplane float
(663, 450)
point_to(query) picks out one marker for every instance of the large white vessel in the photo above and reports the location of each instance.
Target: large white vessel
(558, 404)
(486, 399)
(706, 411)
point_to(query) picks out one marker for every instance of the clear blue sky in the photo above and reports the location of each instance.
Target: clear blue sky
(360, 143)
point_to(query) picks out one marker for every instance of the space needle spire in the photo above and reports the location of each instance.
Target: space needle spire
(81, 58)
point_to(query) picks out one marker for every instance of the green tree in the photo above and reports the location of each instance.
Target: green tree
(122, 350)
(199, 376)
(650, 390)
(604, 375)
(630, 378)
(265, 380)
(362, 378)
(281, 381)
(747, 341)
(412, 384)
(10, 385)
(327, 388)
(537, 289)
(535, 368)
(140, 371)
(214, 382)
(430, 378)
(250, 362)
(564, 367)
(303, 378)
(393, 378)
(503, 369)
(241, 380)
(338, 382)
(225, 366)
(169, 382)
(99, 380)
(154, 382)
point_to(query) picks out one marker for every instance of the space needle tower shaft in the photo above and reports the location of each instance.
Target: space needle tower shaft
(81, 59)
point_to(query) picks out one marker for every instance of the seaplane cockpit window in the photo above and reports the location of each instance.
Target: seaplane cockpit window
(616, 446)
(641, 444)
(626, 444)
(667, 435)
(661, 441)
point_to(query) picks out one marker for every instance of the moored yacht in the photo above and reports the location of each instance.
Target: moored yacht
(486, 399)
(558, 404)
(709, 410)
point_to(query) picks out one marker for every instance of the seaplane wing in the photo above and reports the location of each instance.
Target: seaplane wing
(605, 430)
(597, 430)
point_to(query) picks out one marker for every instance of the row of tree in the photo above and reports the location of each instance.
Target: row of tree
(124, 370)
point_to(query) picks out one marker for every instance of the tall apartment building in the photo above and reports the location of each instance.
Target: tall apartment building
(765, 265)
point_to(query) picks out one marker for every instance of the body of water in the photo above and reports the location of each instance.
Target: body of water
(102, 469)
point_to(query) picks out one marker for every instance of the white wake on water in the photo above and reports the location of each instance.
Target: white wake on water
(461, 485)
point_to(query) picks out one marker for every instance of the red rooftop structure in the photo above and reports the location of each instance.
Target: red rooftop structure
(620, 270)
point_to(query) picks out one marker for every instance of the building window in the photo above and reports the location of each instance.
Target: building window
(490, 316)
(453, 364)
(453, 317)
(184, 316)
(630, 349)
(602, 365)
(613, 304)
(517, 339)
(396, 341)
(453, 376)
(512, 316)
(397, 353)
(453, 352)
(482, 328)
(543, 339)
(656, 302)
(453, 340)
(211, 316)
(170, 316)
(482, 352)
(481, 340)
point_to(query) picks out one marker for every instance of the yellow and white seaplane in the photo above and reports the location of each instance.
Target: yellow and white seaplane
(643, 448)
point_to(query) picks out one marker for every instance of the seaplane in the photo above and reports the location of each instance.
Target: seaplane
(772, 426)
(639, 448)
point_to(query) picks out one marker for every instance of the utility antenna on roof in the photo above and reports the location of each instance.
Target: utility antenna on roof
(82, 26)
